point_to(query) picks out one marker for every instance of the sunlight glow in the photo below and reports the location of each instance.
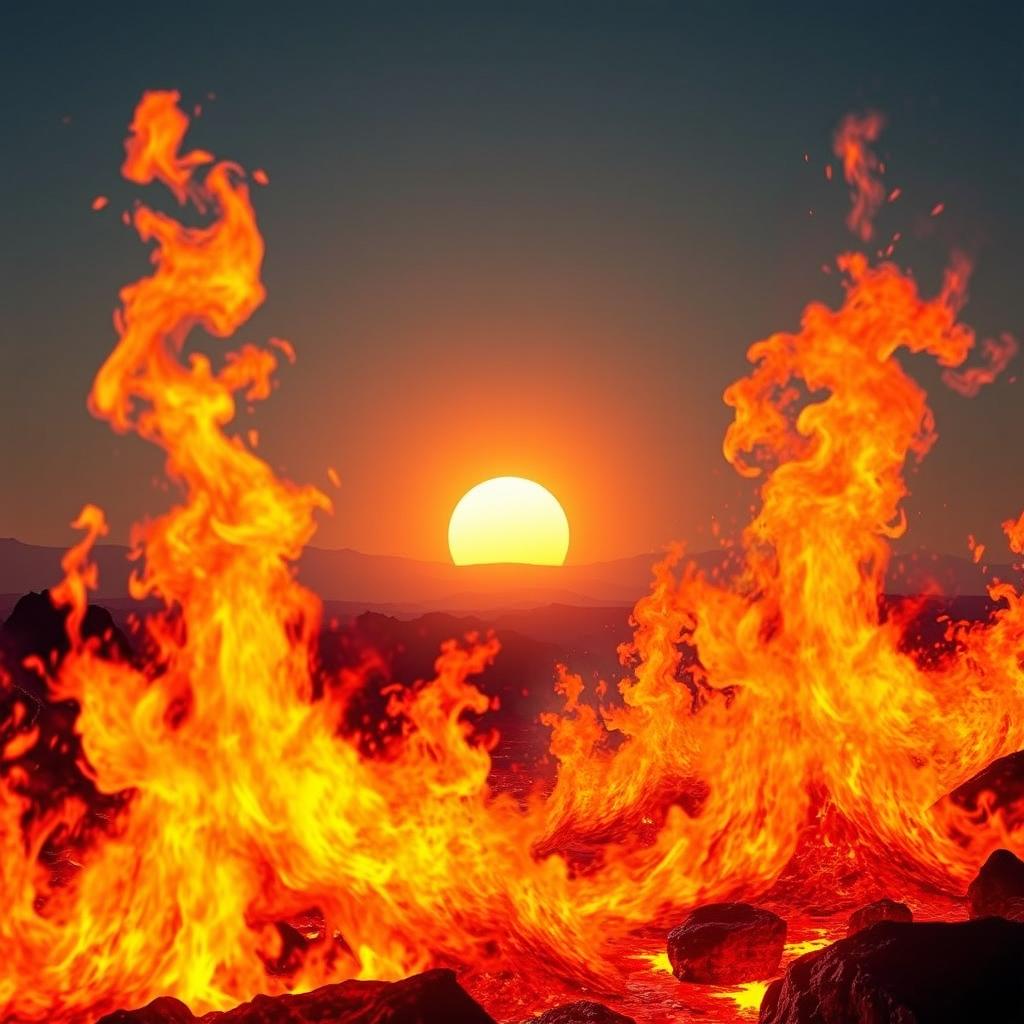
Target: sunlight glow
(508, 519)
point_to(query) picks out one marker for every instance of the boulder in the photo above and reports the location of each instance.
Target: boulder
(428, 997)
(726, 944)
(880, 910)
(910, 973)
(36, 627)
(582, 1012)
(998, 888)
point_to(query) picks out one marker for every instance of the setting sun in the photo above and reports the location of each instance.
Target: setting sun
(508, 519)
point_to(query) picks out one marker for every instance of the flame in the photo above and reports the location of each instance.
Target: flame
(997, 353)
(755, 710)
(862, 169)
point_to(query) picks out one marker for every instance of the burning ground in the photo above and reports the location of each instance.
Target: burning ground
(236, 819)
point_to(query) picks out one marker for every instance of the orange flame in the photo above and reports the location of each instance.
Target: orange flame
(753, 710)
(861, 168)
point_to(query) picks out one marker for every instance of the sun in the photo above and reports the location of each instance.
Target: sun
(508, 519)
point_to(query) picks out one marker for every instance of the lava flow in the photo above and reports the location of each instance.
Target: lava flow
(768, 719)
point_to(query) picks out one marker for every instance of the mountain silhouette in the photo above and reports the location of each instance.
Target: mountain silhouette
(408, 587)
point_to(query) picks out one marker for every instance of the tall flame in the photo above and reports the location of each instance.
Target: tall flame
(751, 710)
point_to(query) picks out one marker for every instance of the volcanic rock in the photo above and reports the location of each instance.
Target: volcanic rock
(582, 1012)
(434, 996)
(36, 627)
(998, 888)
(164, 1010)
(912, 973)
(880, 910)
(726, 944)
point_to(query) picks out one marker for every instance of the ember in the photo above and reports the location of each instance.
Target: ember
(253, 842)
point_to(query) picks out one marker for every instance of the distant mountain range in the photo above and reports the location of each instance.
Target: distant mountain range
(353, 581)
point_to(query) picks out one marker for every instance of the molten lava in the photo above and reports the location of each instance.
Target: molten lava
(770, 715)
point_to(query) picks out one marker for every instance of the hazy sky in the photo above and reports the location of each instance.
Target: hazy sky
(530, 239)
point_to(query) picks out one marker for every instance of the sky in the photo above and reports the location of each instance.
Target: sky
(508, 239)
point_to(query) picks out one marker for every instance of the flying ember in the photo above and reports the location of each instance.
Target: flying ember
(769, 725)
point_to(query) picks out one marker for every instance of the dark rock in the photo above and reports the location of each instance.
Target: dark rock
(910, 973)
(880, 910)
(36, 626)
(164, 1010)
(583, 1012)
(434, 996)
(726, 944)
(998, 888)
